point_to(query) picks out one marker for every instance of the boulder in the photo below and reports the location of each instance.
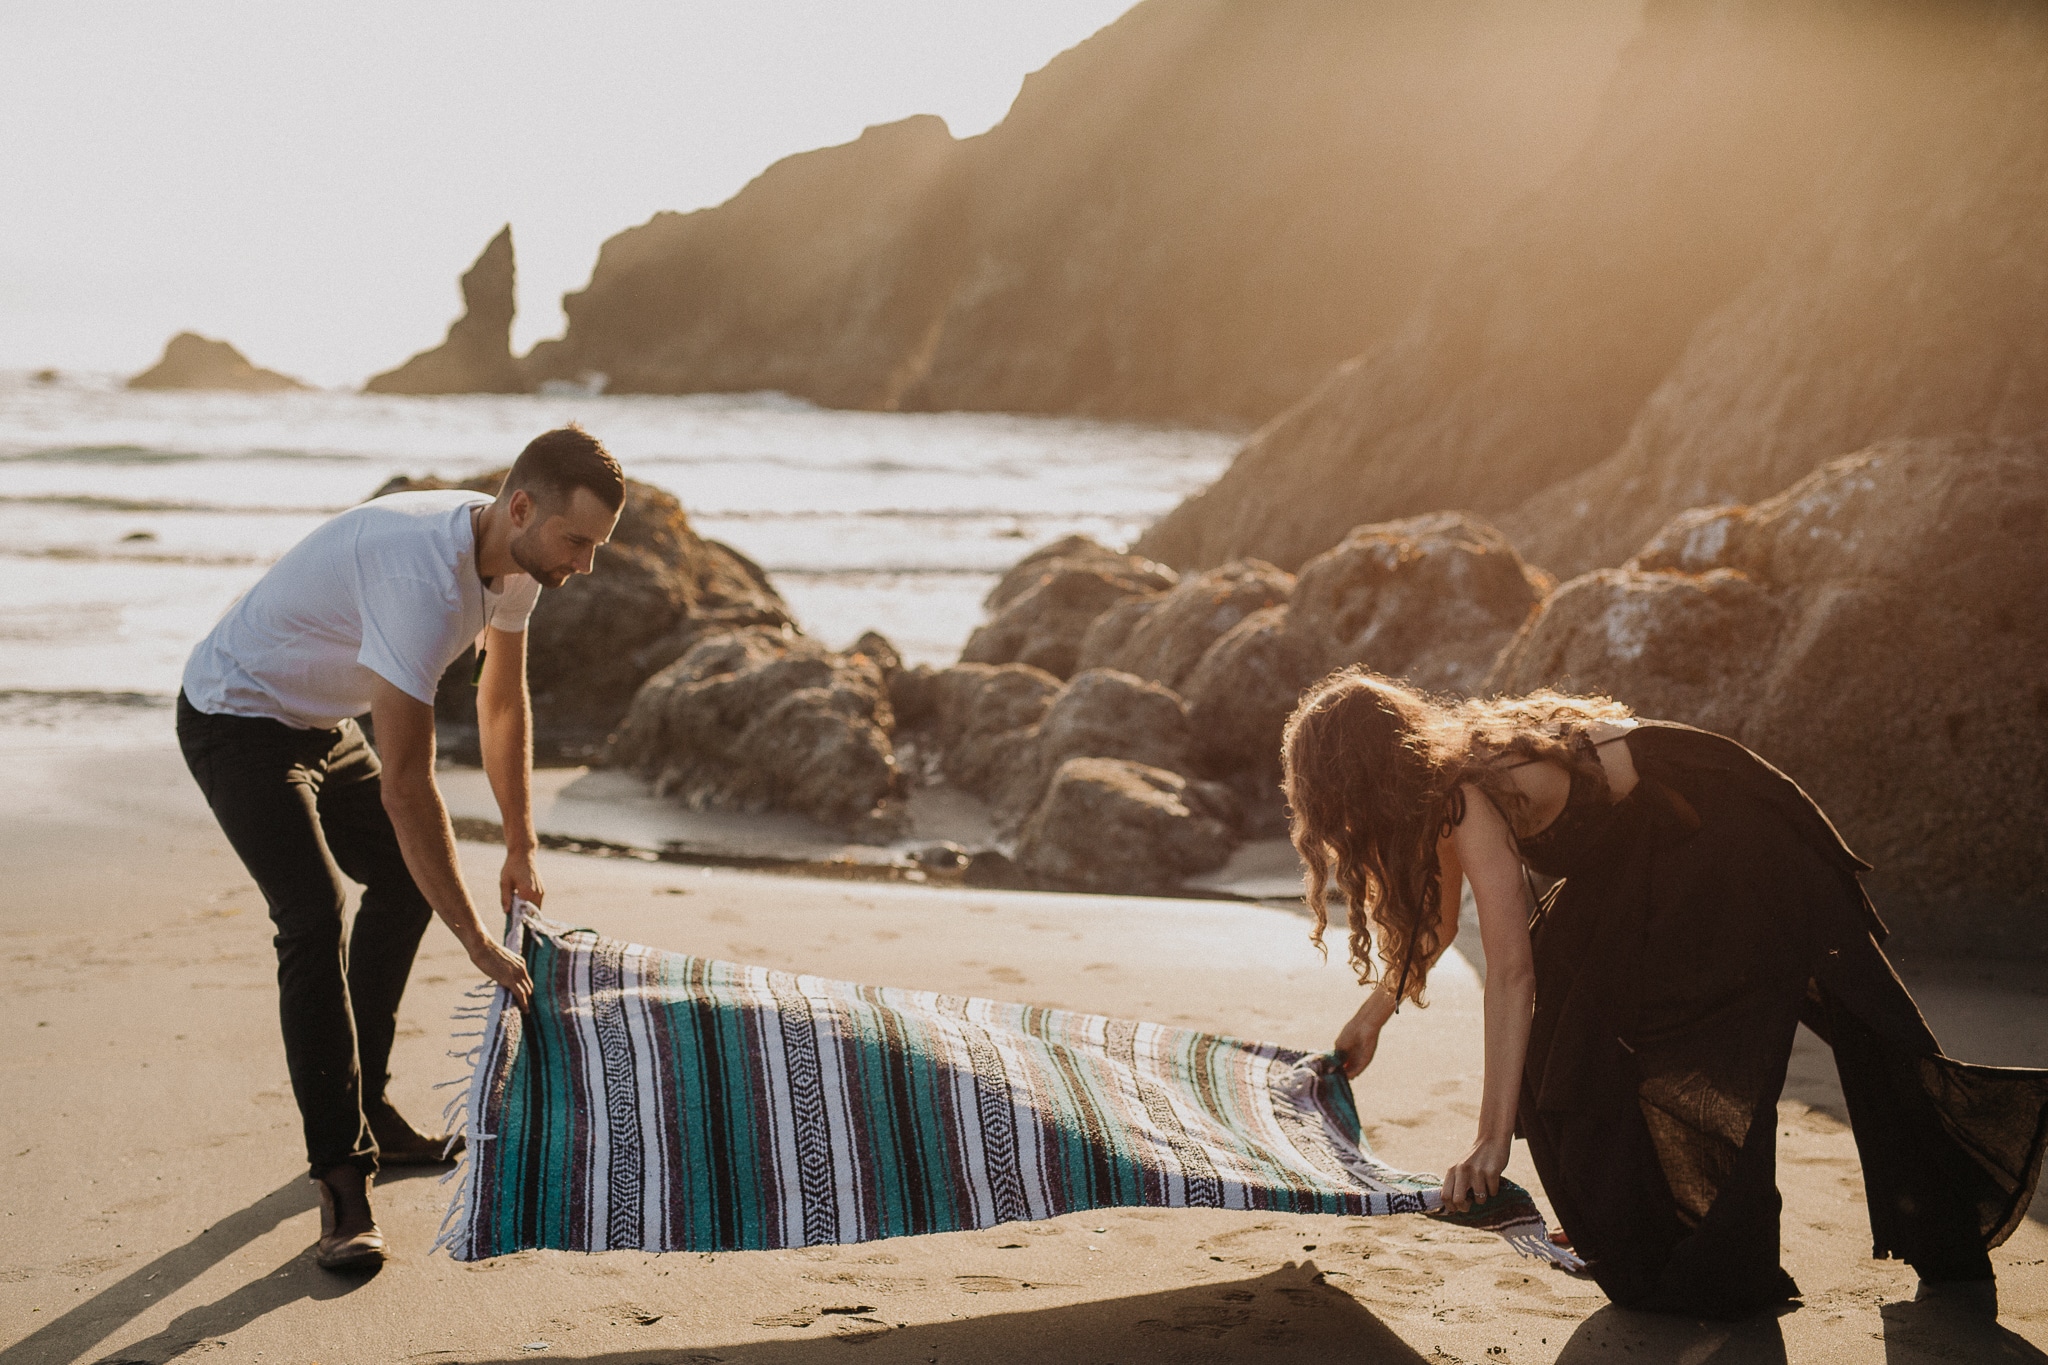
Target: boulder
(1043, 625)
(759, 719)
(1109, 825)
(876, 646)
(1242, 691)
(1099, 714)
(1678, 646)
(1431, 599)
(1075, 551)
(914, 696)
(1877, 632)
(477, 356)
(1108, 633)
(191, 361)
(1166, 641)
(593, 641)
(983, 718)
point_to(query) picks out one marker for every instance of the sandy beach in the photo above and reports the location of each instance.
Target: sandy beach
(995, 472)
(157, 1209)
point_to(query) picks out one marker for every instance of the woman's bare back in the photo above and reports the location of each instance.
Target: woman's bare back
(1548, 786)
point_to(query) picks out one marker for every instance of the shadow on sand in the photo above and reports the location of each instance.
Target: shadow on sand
(1287, 1316)
(1914, 1334)
(73, 1335)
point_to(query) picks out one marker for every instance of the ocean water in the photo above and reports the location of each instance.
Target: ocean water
(129, 521)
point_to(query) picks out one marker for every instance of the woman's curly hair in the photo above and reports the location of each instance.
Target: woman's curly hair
(1374, 771)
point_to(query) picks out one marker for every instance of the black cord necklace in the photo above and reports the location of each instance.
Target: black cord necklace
(483, 592)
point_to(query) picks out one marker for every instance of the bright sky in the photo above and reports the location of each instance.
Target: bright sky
(308, 181)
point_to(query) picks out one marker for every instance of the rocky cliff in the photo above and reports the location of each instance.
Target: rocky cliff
(477, 356)
(1198, 212)
(1192, 215)
(191, 361)
(1905, 300)
(1793, 229)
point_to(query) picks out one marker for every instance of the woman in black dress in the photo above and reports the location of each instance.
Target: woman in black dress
(1639, 1016)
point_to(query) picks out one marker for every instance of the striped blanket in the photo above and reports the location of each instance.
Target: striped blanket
(657, 1102)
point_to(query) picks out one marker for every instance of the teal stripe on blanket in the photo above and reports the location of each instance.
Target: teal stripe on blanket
(658, 1102)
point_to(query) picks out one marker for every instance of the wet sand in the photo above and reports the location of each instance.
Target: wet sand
(156, 1209)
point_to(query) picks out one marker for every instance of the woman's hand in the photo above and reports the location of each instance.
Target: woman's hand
(1359, 1039)
(1477, 1177)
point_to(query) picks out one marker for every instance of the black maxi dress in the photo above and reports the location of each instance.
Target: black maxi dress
(1699, 921)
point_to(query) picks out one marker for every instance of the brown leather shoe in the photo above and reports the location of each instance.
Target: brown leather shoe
(401, 1144)
(349, 1237)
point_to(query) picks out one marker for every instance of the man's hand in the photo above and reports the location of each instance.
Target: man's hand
(519, 877)
(501, 965)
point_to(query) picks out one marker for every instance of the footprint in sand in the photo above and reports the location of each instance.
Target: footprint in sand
(988, 1284)
(1202, 1320)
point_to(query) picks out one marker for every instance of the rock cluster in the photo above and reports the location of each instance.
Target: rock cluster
(1163, 638)
(1160, 749)
(477, 356)
(191, 361)
(1043, 607)
(1877, 631)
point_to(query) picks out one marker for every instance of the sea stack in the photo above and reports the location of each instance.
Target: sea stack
(477, 356)
(191, 361)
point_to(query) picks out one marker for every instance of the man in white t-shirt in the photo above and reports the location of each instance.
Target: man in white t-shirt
(364, 615)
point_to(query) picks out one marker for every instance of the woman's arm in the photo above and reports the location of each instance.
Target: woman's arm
(1487, 852)
(1359, 1039)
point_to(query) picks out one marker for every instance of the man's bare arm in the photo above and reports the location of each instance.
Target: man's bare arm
(505, 732)
(405, 745)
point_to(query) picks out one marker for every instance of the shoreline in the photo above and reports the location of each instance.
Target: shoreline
(137, 988)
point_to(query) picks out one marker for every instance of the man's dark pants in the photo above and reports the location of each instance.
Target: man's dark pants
(302, 808)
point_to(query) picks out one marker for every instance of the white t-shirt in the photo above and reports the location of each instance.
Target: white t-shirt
(388, 589)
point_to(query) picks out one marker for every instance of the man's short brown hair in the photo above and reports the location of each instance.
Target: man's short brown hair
(557, 463)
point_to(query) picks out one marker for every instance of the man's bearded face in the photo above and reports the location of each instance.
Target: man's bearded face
(561, 537)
